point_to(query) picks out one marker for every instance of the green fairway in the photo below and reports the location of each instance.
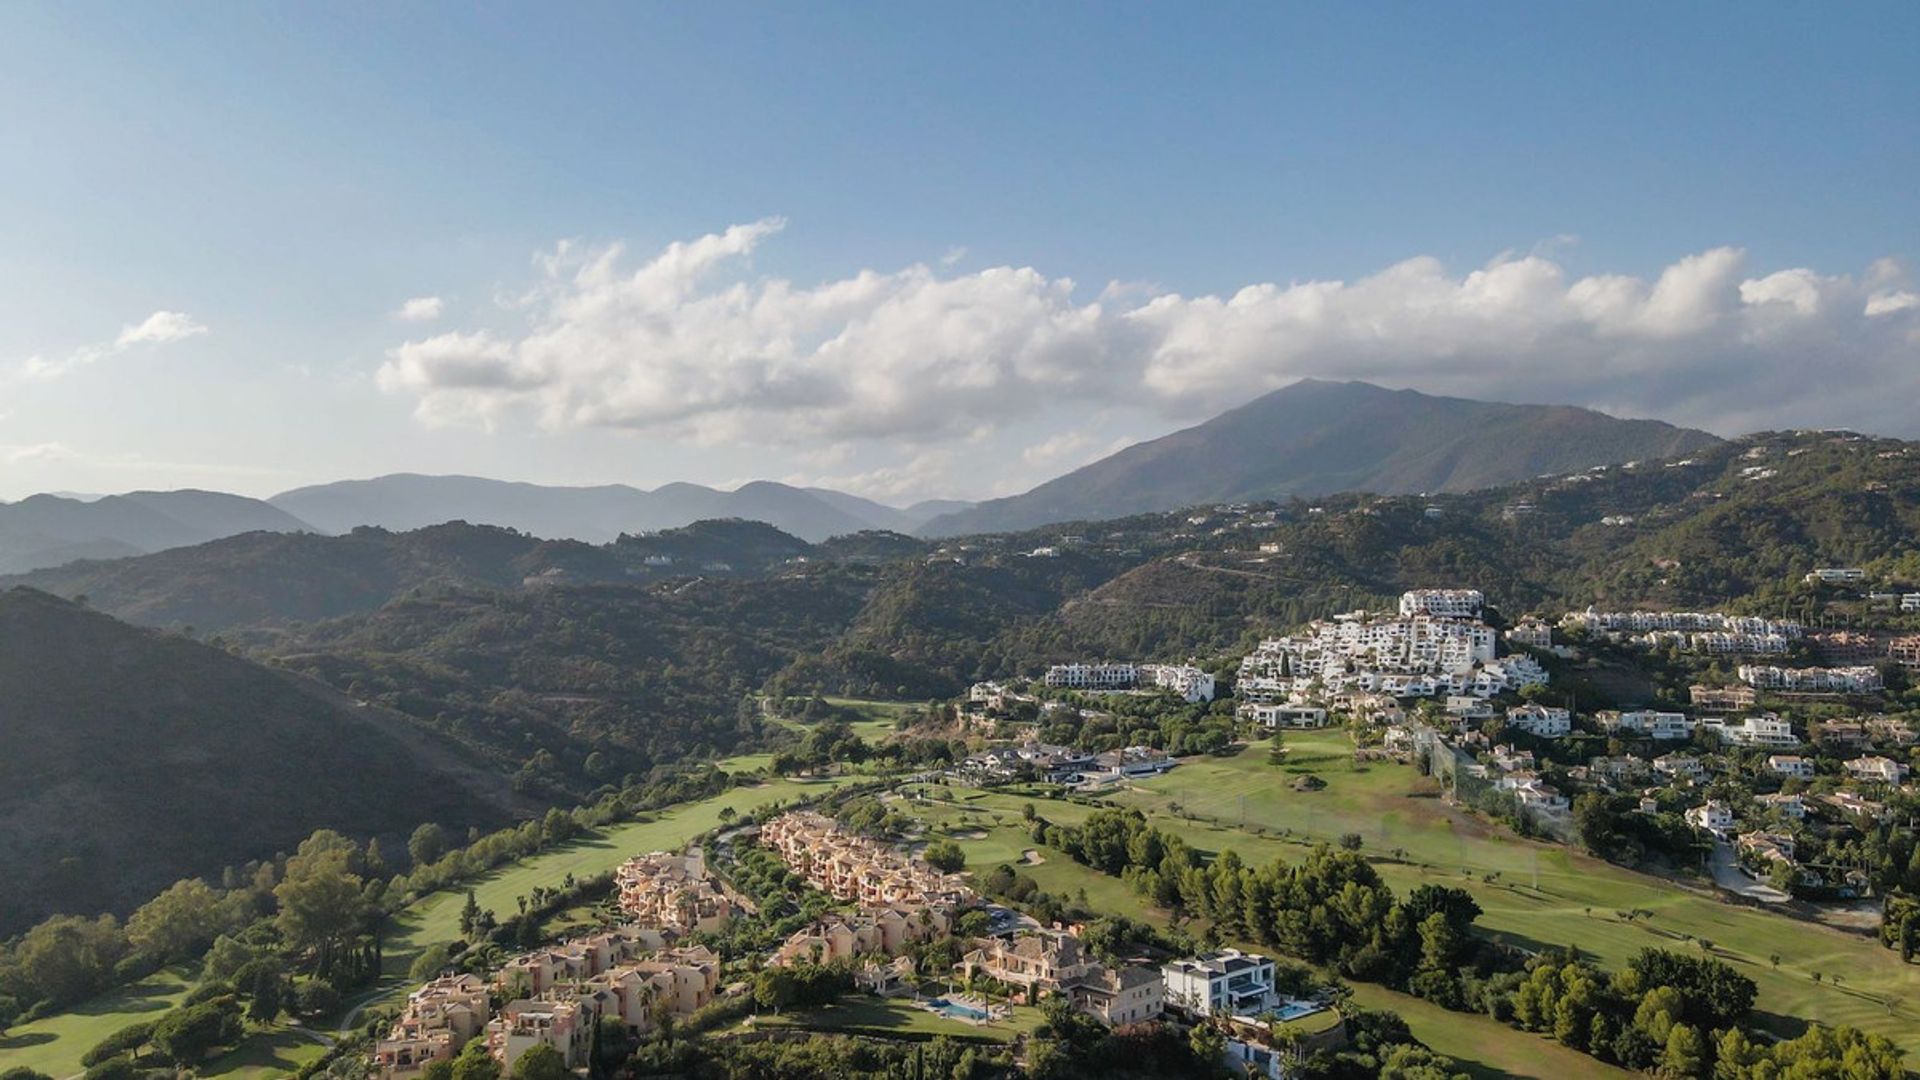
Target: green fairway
(54, 1045)
(1484, 1047)
(1540, 894)
(276, 1051)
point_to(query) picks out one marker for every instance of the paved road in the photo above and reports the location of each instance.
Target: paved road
(1728, 875)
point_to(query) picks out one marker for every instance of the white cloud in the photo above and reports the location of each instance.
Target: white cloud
(688, 344)
(159, 328)
(420, 309)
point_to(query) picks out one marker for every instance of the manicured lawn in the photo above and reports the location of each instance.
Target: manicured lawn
(54, 1045)
(276, 1051)
(1484, 1047)
(900, 1016)
(1539, 894)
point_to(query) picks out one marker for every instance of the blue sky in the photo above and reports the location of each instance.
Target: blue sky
(285, 177)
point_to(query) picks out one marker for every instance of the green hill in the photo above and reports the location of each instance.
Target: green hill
(131, 758)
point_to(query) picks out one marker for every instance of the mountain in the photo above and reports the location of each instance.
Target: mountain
(271, 580)
(48, 530)
(1315, 438)
(131, 758)
(592, 514)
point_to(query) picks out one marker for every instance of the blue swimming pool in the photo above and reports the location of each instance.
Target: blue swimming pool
(1294, 1009)
(956, 1010)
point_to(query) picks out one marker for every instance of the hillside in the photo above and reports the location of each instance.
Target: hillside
(130, 758)
(1315, 438)
(269, 580)
(50, 530)
(592, 514)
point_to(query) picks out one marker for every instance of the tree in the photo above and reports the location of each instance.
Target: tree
(427, 966)
(1686, 1052)
(945, 856)
(321, 908)
(188, 1035)
(470, 916)
(541, 1062)
(127, 1039)
(316, 998)
(427, 844)
(474, 1063)
(179, 922)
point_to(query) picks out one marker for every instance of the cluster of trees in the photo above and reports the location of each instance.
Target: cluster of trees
(1679, 1013)
(1900, 924)
(821, 1057)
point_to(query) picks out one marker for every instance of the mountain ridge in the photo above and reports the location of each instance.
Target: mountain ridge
(1316, 437)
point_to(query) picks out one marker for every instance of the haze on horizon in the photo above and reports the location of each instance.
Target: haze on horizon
(916, 253)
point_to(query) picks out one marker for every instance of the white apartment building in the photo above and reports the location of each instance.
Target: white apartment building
(1442, 603)
(1229, 981)
(1541, 721)
(1664, 726)
(1836, 575)
(1862, 679)
(1910, 602)
(1764, 729)
(1274, 716)
(1104, 676)
(1184, 679)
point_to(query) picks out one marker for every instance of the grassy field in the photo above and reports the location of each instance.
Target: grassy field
(1484, 1048)
(902, 1017)
(1539, 894)
(54, 1045)
(274, 1051)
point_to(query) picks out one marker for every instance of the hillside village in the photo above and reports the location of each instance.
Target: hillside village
(1777, 781)
(1020, 835)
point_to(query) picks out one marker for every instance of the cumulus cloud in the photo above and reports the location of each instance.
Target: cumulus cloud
(420, 309)
(159, 328)
(689, 343)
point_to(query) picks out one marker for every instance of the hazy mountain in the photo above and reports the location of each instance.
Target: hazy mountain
(48, 530)
(274, 579)
(593, 514)
(1316, 438)
(131, 758)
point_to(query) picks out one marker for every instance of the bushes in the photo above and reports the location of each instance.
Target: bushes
(124, 1041)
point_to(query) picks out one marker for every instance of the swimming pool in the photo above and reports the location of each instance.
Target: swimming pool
(956, 1010)
(1294, 1009)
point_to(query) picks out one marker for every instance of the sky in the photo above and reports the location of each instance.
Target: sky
(922, 251)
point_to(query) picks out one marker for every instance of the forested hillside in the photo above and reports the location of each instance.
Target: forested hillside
(130, 758)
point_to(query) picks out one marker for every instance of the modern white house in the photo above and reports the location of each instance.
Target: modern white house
(1764, 729)
(1541, 721)
(1713, 816)
(1229, 981)
(1791, 766)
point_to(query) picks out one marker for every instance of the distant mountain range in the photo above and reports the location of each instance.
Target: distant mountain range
(48, 530)
(593, 514)
(1311, 438)
(1317, 438)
